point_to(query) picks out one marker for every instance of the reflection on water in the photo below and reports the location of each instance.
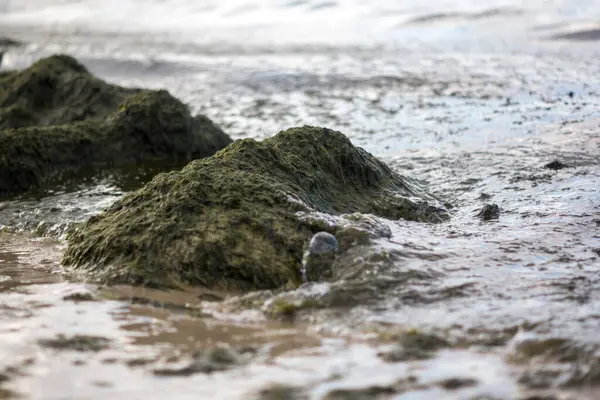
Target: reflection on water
(49, 322)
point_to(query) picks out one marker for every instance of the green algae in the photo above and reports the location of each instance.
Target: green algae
(56, 90)
(56, 118)
(230, 221)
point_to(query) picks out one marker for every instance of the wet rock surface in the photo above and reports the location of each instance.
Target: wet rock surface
(56, 90)
(230, 221)
(56, 118)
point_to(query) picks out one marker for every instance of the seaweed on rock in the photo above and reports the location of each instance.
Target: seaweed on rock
(230, 221)
(56, 90)
(55, 117)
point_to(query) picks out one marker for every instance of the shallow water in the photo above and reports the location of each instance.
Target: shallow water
(472, 101)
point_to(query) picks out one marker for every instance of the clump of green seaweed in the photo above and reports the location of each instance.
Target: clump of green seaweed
(231, 221)
(56, 118)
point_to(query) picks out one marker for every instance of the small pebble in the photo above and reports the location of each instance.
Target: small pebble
(555, 165)
(489, 212)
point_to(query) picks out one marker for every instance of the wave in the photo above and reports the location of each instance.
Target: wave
(288, 21)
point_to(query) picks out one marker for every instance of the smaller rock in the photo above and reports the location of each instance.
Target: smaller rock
(489, 212)
(319, 256)
(555, 165)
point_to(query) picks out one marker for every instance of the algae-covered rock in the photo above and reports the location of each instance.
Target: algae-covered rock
(55, 117)
(231, 221)
(56, 90)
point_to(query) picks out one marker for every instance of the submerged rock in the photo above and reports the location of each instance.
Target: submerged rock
(55, 117)
(232, 221)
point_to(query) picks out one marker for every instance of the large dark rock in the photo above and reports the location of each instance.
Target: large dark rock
(231, 221)
(56, 117)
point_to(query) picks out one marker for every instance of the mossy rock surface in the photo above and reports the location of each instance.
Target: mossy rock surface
(56, 90)
(230, 221)
(55, 117)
